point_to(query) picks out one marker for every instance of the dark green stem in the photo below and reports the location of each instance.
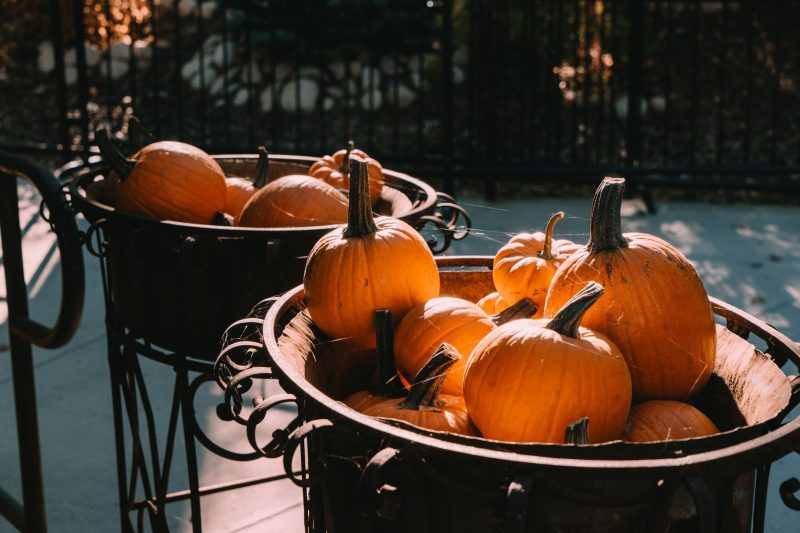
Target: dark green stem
(360, 222)
(261, 172)
(577, 432)
(118, 162)
(605, 231)
(386, 382)
(522, 309)
(547, 251)
(428, 381)
(568, 319)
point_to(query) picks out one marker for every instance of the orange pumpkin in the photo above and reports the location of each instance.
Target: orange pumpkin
(528, 380)
(239, 190)
(492, 303)
(371, 263)
(524, 267)
(335, 170)
(294, 201)
(660, 420)
(445, 319)
(166, 180)
(385, 382)
(424, 406)
(655, 308)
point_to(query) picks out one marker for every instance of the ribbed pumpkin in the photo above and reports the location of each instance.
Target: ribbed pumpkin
(385, 383)
(660, 420)
(166, 180)
(371, 263)
(528, 380)
(424, 406)
(239, 190)
(294, 201)
(492, 303)
(454, 321)
(655, 307)
(524, 267)
(335, 170)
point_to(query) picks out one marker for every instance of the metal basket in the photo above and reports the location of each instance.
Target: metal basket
(179, 285)
(363, 474)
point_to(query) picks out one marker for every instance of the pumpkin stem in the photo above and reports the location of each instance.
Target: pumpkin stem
(119, 163)
(360, 222)
(222, 219)
(428, 381)
(568, 319)
(135, 134)
(605, 232)
(261, 172)
(522, 309)
(547, 251)
(386, 382)
(577, 432)
(345, 168)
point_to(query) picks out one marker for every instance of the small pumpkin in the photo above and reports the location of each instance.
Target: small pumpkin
(492, 303)
(661, 420)
(385, 383)
(335, 170)
(459, 323)
(655, 307)
(424, 406)
(239, 190)
(524, 267)
(166, 180)
(294, 201)
(527, 380)
(368, 264)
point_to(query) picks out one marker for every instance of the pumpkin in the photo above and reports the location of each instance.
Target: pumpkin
(524, 267)
(239, 190)
(368, 264)
(166, 180)
(424, 406)
(492, 303)
(660, 420)
(385, 381)
(292, 201)
(454, 321)
(655, 307)
(528, 380)
(335, 170)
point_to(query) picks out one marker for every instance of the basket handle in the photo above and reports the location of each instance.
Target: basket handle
(62, 220)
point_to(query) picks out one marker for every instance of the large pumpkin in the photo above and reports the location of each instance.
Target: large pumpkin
(166, 180)
(368, 264)
(239, 190)
(655, 307)
(454, 321)
(424, 406)
(528, 380)
(294, 201)
(660, 420)
(335, 170)
(524, 267)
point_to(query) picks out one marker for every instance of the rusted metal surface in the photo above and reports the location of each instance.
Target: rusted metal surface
(379, 475)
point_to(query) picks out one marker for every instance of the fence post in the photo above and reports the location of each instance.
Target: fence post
(447, 96)
(634, 132)
(83, 81)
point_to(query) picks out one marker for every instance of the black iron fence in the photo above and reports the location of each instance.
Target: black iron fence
(672, 91)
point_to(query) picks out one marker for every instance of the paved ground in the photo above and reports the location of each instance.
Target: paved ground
(747, 255)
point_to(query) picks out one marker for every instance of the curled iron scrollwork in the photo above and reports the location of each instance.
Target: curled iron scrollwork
(449, 219)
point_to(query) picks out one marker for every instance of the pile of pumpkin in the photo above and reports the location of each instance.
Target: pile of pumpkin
(581, 343)
(170, 180)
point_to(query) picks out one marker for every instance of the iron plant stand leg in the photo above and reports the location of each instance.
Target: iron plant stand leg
(187, 412)
(114, 363)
